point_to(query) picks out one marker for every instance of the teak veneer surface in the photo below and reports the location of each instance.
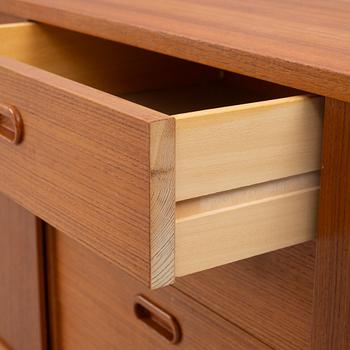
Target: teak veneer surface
(269, 296)
(302, 44)
(139, 173)
(91, 307)
(332, 284)
(57, 171)
(22, 325)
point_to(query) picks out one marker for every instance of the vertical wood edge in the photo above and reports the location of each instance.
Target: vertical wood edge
(41, 267)
(331, 310)
(52, 314)
(22, 288)
(162, 202)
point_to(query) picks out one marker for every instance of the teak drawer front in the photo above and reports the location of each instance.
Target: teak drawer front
(85, 163)
(102, 169)
(270, 296)
(92, 305)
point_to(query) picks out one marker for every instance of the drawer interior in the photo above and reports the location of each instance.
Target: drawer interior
(160, 82)
(244, 147)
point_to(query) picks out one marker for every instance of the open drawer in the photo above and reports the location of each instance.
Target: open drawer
(165, 167)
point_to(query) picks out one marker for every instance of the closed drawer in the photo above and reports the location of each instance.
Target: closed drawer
(164, 167)
(270, 296)
(92, 307)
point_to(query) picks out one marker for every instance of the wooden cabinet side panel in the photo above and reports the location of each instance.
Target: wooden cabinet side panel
(331, 328)
(22, 321)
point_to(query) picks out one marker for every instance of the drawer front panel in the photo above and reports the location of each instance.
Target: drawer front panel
(270, 296)
(84, 164)
(92, 307)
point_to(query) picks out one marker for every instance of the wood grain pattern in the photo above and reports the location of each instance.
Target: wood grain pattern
(38, 44)
(22, 320)
(252, 221)
(84, 163)
(299, 44)
(162, 203)
(226, 148)
(331, 328)
(195, 207)
(269, 296)
(94, 308)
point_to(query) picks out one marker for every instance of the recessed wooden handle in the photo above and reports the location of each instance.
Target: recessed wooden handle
(158, 319)
(3, 346)
(11, 124)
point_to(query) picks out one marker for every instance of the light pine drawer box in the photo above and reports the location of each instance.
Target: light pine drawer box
(214, 169)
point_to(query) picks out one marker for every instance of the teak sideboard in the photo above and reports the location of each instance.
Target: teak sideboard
(174, 174)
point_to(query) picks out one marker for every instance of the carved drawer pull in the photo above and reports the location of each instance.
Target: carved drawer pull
(158, 319)
(11, 124)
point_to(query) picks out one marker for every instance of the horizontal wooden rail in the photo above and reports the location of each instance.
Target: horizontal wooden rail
(238, 224)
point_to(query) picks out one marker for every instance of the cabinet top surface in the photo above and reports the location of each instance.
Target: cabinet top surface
(303, 44)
